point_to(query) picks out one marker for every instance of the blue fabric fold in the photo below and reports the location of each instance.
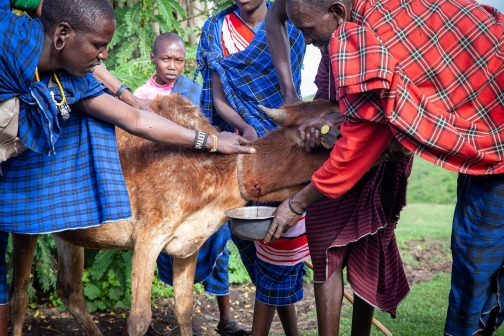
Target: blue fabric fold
(188, 88)
(248, 77)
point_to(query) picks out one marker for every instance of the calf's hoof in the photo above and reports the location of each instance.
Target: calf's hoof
(137, 326)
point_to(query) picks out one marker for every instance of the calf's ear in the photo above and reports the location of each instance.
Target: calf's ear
(278, 115)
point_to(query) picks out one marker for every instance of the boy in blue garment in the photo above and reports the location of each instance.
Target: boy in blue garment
(238, 75)
(168, 56)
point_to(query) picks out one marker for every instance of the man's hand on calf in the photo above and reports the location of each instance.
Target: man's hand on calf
(309, 131)
(231, 143)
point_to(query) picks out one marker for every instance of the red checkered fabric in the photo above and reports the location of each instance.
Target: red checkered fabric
(431, 69)
(357, 229)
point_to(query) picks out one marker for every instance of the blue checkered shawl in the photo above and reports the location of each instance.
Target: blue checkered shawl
(213, 249)
(188, 89)
(21, 44)
(79, 186)
(248, 77)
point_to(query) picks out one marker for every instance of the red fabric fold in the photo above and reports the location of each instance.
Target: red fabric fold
(439, 90)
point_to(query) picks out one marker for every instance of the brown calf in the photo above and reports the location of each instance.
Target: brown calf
(178, 198)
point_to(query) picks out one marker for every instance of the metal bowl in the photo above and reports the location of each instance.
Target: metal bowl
(252, 222)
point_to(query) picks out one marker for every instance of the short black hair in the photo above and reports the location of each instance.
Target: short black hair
(81, 15)
(169, 37)
(316, 4)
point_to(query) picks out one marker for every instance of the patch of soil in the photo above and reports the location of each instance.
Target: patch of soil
(51, 321)
(430, 256)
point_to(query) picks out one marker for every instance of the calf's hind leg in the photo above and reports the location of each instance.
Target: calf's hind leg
(69, 284)
(183, 282)
(23, 250)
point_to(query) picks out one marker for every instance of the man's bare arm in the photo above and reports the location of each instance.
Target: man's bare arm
(227, 112)
(113, 84)
(279, 47)
(154, 127)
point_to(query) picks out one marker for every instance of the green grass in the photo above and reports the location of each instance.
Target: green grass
(429, 183)
(422, 313)
(425, 220)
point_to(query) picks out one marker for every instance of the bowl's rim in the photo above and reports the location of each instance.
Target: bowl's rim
(248, 207)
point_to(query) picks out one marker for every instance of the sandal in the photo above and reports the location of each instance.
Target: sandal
(196, 332)
(232, 330)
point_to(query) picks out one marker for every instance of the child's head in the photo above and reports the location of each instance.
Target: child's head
(168, 55)
(249, 6)
(77, 33)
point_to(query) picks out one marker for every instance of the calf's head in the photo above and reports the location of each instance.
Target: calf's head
(280, 167)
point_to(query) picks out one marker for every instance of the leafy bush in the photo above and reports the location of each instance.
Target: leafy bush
(129, 54)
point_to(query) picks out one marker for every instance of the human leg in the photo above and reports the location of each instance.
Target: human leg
(276, 286)
(477, 245)
(362, 317)
(328, 301)
(263, 316)
(218, 284)
(288, 317)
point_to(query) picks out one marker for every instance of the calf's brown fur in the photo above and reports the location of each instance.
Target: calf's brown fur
(178, 198)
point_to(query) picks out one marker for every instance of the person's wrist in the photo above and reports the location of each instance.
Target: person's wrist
(128, 98)
(291, 99)
(248, 128)
(209, 143)
(298, 203)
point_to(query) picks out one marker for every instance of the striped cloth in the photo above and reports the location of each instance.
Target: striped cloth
(248, 77)
(212, 265)
(236, 35)
(290, 249)
(433, 71)
(360, 225)
(275, 285)
(478, 258)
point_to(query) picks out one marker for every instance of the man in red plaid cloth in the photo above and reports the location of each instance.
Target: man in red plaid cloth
(431, 74)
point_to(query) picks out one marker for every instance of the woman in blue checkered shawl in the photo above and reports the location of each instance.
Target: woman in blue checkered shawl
(70, 176)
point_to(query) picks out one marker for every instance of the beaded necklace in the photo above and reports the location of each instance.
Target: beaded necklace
(62, 106)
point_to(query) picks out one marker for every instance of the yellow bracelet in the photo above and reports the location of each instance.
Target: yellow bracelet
(215, 144)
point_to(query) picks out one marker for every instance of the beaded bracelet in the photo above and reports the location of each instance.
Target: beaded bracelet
(215, 143)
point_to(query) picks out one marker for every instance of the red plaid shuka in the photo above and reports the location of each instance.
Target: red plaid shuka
(357, 229)
(431, 69)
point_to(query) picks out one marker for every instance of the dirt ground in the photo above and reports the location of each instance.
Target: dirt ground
(429, 258)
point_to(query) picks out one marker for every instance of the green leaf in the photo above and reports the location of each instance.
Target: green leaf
(91, 292)
(165, 17)
(115, 293)
(91, 306)
(101, 263)
(133, 18)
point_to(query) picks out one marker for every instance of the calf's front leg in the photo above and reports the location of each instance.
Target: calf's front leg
(147, 249)
(183, 281)
(23, 250)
